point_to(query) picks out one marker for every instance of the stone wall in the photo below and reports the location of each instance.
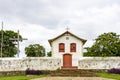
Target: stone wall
(99, 62)
(12, 73)
(49, 63)
(21, 64)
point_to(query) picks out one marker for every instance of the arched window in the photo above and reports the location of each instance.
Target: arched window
(73, 47)
(61, 47)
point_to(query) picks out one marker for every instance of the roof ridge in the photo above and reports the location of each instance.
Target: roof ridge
(51, 40)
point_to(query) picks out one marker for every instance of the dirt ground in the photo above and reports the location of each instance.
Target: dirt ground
(72, 78)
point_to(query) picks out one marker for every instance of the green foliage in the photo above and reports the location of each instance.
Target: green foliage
(35, 50)
(9, 48)
(49, 54)
(107, 44)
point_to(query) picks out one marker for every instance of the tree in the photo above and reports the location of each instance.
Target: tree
(49, 54)
(9, 48)
(35, 50)
(107, 44)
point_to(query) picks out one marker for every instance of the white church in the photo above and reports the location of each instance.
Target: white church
(69, 48)
(67, 53)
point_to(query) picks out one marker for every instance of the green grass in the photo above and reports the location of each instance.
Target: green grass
(21, 77)
(108, 75)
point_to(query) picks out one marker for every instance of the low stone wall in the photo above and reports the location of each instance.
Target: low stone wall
(35, 63)
(49, 63)
(99, 62)
(12, 73)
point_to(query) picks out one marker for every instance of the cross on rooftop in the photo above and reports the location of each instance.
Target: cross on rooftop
(67, 28)
(18, 39)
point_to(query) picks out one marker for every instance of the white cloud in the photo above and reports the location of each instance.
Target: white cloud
(40, 20)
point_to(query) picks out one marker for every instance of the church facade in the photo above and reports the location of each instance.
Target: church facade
(67, 53)
(67, 47)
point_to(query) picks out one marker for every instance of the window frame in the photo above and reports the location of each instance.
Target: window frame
(61, 49)
(72, 47)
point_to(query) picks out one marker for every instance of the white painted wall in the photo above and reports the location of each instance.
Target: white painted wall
(49, 63)
(33, 63)
(99, 63)
(75, 55)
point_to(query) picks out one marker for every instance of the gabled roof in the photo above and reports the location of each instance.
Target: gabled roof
(67, 32)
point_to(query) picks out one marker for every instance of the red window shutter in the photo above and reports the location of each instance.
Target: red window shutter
(73, 47)
(61, 47)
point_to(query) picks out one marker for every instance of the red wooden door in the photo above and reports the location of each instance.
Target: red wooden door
(67, 60)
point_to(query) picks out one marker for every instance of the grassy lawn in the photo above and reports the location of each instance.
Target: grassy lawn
(28, 77)
(108, 75)
(21, 77)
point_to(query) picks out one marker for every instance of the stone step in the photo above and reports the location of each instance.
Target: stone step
(76, 72)
(75, 75)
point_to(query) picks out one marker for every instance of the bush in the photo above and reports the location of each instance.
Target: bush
(114, 70)
(33, 72)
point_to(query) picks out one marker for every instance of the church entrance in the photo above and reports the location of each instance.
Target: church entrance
(67, 61)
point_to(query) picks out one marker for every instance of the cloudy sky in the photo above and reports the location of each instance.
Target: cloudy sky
(40, 20)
